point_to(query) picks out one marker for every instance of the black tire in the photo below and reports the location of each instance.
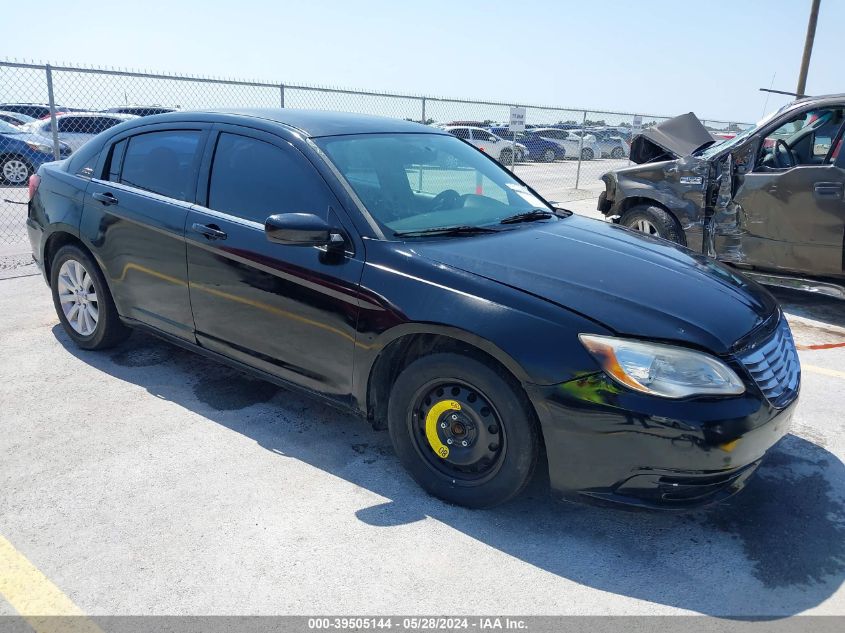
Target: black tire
(495, 417)
(109, 330)
(549, 155)
(18, 161)
(665, 224)
(587, 154)
(617, 152)
(505, 156)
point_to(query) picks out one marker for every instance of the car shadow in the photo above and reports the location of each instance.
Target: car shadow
(775, 550)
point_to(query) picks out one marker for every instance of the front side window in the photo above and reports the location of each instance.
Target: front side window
(426, 181)
(162, 162)
(481, 135)
(805, 139)
(103, 123)
(69, 124)
(253, 180)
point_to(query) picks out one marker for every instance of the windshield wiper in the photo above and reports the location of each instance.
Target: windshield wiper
(447, 230)
(528, 216)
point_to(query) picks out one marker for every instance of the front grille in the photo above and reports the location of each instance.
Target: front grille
(773, 364)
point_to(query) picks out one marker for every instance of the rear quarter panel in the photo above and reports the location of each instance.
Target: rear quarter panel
(56, 206)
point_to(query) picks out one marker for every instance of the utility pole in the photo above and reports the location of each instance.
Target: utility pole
(808, 47)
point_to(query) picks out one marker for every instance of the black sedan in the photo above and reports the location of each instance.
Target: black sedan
(394, 270)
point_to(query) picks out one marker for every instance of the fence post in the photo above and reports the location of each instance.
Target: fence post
(580, 150)
(282, 94)
(57, 154)
(423, 111)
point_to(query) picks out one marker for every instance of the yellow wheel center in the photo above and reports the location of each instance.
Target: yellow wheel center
(431, 419)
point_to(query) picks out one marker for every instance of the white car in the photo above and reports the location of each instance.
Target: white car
(570, 140)
(498, 148)
(76, 128)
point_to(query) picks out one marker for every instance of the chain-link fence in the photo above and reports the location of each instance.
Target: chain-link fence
(48, 112)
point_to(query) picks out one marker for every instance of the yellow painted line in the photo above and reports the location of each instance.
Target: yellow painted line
(823, 370)
(36, 598)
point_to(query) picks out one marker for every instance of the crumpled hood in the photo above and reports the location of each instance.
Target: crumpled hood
(631, 283)
(678, 137)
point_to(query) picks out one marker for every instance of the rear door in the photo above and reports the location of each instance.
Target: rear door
(288, 310)
(794, 217)
(134, 218)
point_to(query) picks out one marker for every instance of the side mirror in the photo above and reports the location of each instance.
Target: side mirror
(298, 229)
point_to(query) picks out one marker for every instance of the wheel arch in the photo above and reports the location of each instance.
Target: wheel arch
(55, 241)
(635, 201)
(406, 345)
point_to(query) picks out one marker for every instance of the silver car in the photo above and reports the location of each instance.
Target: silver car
(571, 141)
(77, 128)
(610, 145)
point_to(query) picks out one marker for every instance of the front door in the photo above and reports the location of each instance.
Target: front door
(791, 205)
(290, 311)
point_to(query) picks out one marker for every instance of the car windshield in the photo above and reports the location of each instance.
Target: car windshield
(719, 146)
(8, 128)
(422, 182)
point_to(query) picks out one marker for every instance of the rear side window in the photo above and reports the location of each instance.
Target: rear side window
(71, 124)
(161, 162)
(460, 132)
(103, 123)
(253, 180)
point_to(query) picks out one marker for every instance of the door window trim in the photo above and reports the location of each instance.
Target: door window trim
(104, 175)
(337, 207)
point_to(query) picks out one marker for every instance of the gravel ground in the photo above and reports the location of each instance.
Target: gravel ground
(147, 480)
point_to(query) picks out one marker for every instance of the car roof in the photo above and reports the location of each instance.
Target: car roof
(311, 123)
(15, 114)
(108, 115)
(465, 127)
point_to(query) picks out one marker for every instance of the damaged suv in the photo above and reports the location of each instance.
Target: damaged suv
(768, 201)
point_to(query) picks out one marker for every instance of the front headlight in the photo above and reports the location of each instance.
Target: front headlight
(40, 147)
(662, 370)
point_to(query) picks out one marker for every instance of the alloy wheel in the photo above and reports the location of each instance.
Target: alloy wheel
(15, 171)
(78, 297)
(644, 226)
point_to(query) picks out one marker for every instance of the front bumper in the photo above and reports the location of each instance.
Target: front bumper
(611, 446)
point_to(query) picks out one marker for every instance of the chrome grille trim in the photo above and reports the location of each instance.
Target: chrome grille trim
(774, 366)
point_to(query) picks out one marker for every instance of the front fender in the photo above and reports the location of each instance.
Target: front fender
(536, 340)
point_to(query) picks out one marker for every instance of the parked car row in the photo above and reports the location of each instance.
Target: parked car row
(42, 110)
(544, 144)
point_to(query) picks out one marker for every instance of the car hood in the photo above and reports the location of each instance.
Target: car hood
(678, 137)
(631, 283)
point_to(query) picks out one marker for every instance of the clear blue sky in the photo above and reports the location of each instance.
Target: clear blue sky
(653, 56)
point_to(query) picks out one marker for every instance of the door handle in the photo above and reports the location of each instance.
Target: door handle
(210, 231)
(827, 190)
(106, 197)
